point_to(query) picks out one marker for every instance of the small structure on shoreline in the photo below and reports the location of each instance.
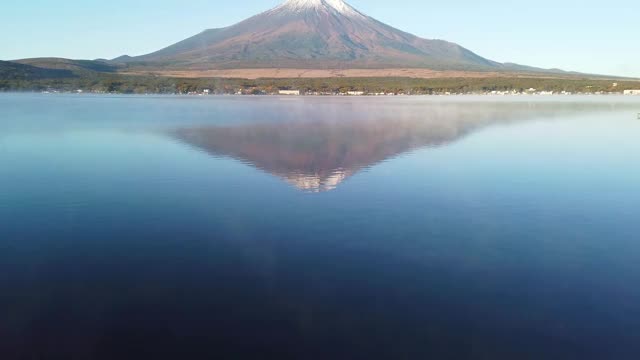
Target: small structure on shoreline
(289, 92)
(632, 92)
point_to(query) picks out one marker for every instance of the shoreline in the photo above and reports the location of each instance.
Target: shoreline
(368, 96)
(501, 86)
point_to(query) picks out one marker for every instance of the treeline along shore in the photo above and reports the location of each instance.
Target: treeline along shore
(329, 86)
(100, 82)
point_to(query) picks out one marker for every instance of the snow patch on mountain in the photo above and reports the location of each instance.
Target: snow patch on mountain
(338, 6)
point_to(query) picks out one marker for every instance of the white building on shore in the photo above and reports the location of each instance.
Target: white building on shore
(289, 92)
(632, 92)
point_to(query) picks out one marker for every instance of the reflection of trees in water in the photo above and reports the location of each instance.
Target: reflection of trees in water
(319, 153)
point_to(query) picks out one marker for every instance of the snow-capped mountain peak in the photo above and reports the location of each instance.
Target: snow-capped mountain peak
(338, 6)
(321, 34)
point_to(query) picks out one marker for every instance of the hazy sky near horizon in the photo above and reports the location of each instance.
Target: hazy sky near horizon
(587, 36)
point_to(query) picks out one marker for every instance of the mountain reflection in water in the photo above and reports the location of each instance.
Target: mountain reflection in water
(318, 154)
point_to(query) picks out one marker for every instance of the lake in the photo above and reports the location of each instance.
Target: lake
(319, 228)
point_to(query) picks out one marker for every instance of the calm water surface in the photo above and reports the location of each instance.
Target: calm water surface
(319, 228)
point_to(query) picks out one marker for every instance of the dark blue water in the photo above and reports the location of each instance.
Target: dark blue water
(319, 228)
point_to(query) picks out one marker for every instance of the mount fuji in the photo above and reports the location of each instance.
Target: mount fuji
(312, 34)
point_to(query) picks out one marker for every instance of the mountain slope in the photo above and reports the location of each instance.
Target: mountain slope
(320, 34)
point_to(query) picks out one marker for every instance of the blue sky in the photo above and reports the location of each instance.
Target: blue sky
(587, 36)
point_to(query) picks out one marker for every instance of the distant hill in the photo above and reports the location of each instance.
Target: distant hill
(17, 71)
(78, 67)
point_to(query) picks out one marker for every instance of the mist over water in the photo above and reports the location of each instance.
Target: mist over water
(316, 228)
